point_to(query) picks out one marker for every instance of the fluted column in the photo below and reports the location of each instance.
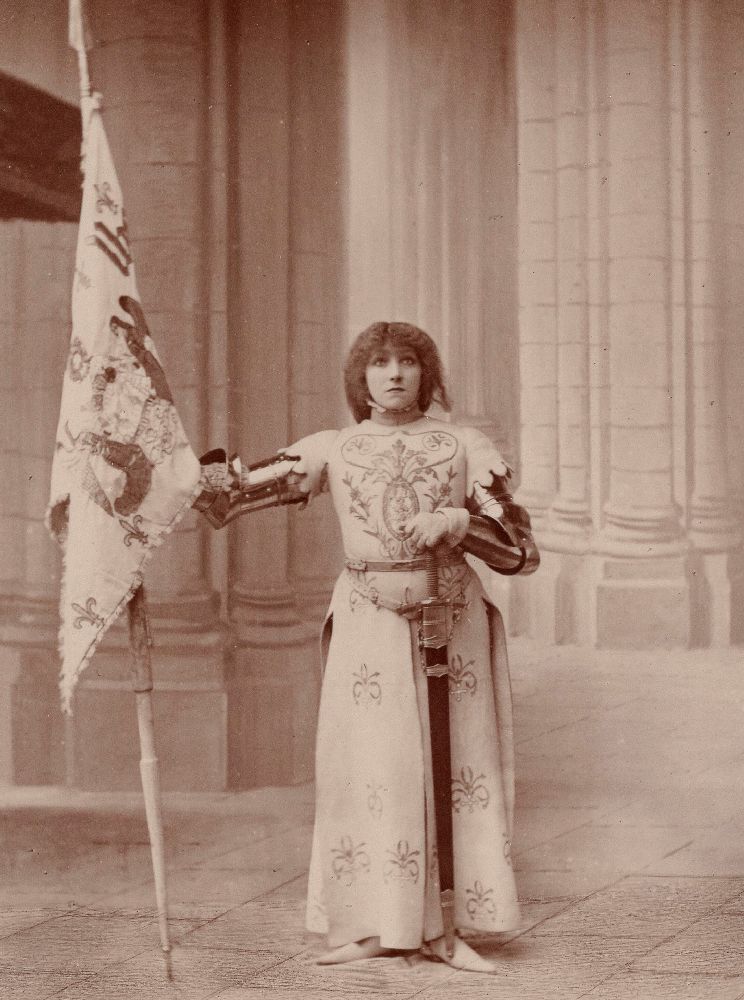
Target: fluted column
(731, 166)
(713, 530)
(371, 268)
(535, 69)
(274, 658)
(538, 289)
(317, 334)
(643, 596)
(35, 280)
(569, 515)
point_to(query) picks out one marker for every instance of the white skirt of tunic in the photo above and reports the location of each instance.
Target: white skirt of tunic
(373, 869)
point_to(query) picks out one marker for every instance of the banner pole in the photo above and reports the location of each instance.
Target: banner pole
(140, 643)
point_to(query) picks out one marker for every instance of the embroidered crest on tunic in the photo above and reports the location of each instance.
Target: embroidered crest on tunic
(398, 479)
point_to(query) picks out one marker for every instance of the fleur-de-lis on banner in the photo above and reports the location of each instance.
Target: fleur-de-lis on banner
(87, 615)
(134, 531)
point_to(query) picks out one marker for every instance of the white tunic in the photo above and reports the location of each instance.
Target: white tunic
(373, 870)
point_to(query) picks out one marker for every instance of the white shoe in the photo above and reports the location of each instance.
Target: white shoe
(355, 951)
(463, 957)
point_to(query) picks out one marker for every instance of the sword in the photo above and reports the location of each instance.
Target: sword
(437, 618)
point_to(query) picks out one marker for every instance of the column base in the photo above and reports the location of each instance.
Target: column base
(642, 603)
(717, 591)
(274, 685)
(558, 601)
(613, 600)
(189, 707)
(98, 748)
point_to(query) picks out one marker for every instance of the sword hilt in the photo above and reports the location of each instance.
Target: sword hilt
(432, 574)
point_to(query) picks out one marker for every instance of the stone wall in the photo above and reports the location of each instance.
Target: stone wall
(556, 199)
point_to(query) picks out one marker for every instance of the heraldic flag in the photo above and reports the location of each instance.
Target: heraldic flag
(123, 471)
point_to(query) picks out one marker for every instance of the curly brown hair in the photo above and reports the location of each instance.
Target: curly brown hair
(397, 335)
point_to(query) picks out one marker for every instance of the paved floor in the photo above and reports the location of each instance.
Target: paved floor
(629, 853)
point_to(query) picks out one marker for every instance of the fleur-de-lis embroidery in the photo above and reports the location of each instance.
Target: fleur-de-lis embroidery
(349, 859)
(87, 615)
(480, 902)
(367, 690)
(402, 864)
(461, 680)
(374, 800)
(135, 532)
(104, 199)
(468, 791)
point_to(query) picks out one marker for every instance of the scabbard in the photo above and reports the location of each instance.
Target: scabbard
(436, 666)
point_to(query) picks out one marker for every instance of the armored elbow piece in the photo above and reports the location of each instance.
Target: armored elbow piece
(229, 490)
(500, 532)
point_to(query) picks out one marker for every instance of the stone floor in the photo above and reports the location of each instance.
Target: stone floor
(629, 852)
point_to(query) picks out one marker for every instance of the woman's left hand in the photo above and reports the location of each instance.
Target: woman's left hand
(427, 531)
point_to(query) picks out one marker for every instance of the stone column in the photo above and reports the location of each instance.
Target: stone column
(538, 280)
(537, 256)
(317, 345)
(36, 265)
(642, 594)
(150, 63)
(713, 530)
(370, 274)
(275, 666)
(731, 166)
(569, 514)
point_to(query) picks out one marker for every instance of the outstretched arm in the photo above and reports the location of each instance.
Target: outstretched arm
(230, 490)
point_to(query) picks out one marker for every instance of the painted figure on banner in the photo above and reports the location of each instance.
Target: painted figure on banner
(407, 488)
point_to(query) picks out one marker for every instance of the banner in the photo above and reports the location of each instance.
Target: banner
(123, 471)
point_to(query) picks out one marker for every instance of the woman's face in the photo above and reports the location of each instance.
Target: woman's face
(394, 377)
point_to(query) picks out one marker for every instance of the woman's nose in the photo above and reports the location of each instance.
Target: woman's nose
(394, 370)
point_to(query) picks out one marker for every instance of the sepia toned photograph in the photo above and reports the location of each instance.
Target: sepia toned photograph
(372, 599)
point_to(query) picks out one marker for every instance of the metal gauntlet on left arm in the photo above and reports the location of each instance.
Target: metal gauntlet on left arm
(229, 490)
(499, 532)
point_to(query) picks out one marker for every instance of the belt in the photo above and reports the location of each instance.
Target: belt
(451, 557)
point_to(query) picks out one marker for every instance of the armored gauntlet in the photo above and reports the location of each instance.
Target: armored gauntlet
(229, 490)
(499, 532)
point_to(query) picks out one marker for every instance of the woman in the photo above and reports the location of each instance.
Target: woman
(405, 484)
